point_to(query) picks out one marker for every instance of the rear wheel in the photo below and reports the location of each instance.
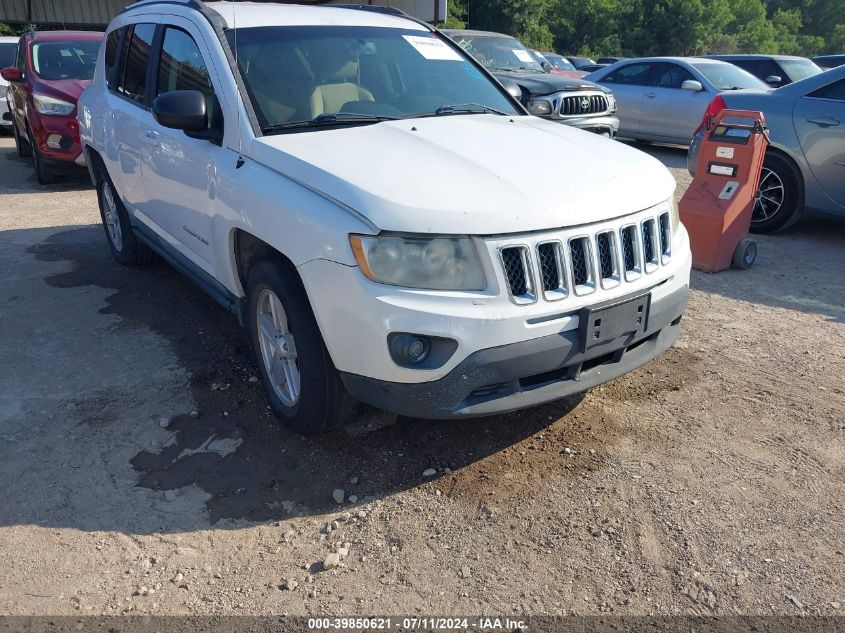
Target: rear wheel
(299, 378)
(779, 199)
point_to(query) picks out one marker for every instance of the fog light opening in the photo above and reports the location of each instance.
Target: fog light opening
(54, 141)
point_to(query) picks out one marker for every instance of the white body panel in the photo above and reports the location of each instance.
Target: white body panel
(495, 178)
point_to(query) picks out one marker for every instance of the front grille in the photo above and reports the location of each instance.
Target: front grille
(629, 243)
(583, 104)
(612, 255)
(665, 235)
(518, 273)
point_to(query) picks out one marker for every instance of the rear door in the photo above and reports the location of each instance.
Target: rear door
(628, 83)
(820, 124)
(670, 113)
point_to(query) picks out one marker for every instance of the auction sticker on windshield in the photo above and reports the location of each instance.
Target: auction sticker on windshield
(432, 48)
(523, 56)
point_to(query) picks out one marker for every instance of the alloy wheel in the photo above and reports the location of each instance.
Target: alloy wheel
(770, 195)
(112, 218)
(278, 348)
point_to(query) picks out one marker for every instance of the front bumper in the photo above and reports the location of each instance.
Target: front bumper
(69, 153)
(526, 373)
(608, 125)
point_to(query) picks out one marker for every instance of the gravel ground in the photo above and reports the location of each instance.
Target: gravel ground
(142, 473)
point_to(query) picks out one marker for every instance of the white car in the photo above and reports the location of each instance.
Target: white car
(8, 55)
(386, 220)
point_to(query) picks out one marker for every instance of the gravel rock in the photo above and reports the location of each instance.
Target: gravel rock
(164, 422)
(288, 536)
(353, 498)
(289, 584)
(361, 515)
(253, 378)
(429, 472)
(338, 495)
(179, 577)
(354, 480)
(465, 572)
(332, 561)
(343, 552)
(836, 605)
(795, 601)
(170, 495)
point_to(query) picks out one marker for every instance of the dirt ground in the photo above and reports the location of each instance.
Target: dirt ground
(141, 472)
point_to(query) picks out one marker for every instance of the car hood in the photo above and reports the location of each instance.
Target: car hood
(68, 89)
(470, 174)
(543, 84)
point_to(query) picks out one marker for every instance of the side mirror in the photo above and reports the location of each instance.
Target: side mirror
(513, 89)
(181, 110)
(12, 74)
(692, 85)
(774, 80)
(547, 67)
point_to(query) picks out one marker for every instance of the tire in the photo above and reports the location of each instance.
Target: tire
(745, 254)
(125, 247)
(780, 197)
(22, 145)
(299, 378)
(43, 173)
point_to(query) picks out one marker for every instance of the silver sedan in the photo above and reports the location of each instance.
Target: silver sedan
(663, 99)
(805, 163)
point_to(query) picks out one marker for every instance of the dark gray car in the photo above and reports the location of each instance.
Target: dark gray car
(775, 70)
(805, 164)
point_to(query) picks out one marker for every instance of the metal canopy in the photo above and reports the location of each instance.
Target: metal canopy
(98, 13)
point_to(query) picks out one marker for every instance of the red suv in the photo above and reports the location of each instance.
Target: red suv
(51, 71)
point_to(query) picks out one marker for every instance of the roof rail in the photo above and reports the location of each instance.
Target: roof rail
(368, 7)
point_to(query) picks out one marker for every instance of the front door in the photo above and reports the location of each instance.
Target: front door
(670, 113)
(820, 123)
(628, 83)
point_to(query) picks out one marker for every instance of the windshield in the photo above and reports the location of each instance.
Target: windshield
(799, 69)
(7, 54)
(559, 63)
(65, 60)
(729, 77)
(499, 52)
(332, 75)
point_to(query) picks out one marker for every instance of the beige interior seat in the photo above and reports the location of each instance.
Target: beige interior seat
(330, 97)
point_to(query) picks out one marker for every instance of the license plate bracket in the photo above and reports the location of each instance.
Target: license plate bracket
(599, 325)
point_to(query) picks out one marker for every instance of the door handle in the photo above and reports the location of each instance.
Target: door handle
(824, 121)
(651, 95)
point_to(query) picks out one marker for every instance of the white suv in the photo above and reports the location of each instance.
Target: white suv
(383, 216)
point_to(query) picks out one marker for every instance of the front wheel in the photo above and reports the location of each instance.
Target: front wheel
(125, 247)
(22, 146)
(43, 173)
(779, 199)
(299, 378)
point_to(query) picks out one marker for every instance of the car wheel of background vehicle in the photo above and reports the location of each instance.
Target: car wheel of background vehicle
(779, 200)
(43, 173)
(298, 375)
(22, 146)
(125, 247)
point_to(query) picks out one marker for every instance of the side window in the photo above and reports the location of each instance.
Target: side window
(136, 54)
(834, 91)
(632, 75)
(181, 66)
(761, 68)
(21, 61)
(670, 76)
(112, 46)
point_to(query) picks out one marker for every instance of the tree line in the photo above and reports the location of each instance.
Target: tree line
(634, 28)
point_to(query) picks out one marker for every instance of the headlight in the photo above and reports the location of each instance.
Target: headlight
(50, 105)
(611, 101)
(440, 263)
(540, 107)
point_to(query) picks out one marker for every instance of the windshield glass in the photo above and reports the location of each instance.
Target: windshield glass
(799, 69)
(559, 63)
(7, 54)
(295, 74)
(498, 52)
(65, 60)
(729, 77)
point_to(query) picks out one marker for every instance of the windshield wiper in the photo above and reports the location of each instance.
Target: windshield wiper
(463, 108)
(328, 120)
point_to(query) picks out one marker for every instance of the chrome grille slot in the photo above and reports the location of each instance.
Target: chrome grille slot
(582, 264)
(649, 246)
(665, 236)
(517, 267)
(608, 264)
(552, 270)
(631, 252)
(574, 105)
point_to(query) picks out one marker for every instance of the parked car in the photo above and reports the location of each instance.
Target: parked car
(563, 66)
(8, 51)
(591, 68)
(610, 60)
(369, 215)
(579, 62)
(775, 70)
(663, 98)
(827, 62)
(51, 71)
(575, 102)
(804, 166)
